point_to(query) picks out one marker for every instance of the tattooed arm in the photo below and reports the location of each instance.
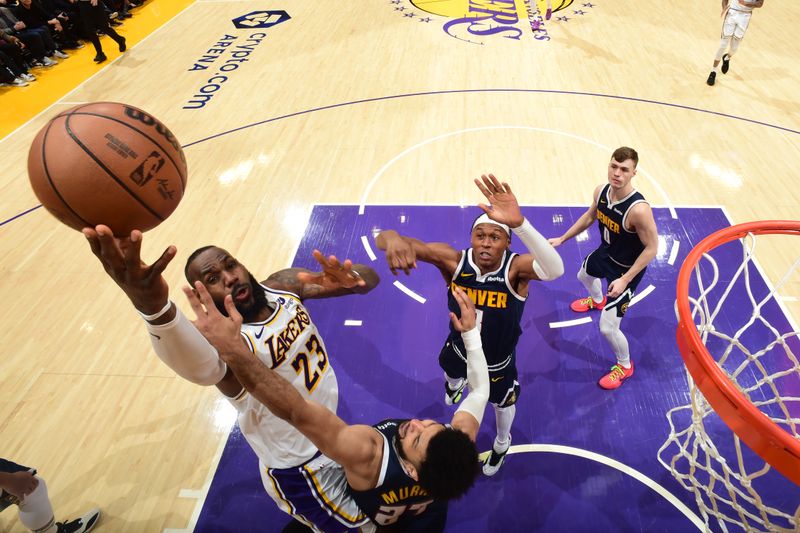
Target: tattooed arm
(335, 279)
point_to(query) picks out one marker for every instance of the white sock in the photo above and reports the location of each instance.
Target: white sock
(453, 383)
(592, 284)
(35, 511)
(610, 328)
(504, 417)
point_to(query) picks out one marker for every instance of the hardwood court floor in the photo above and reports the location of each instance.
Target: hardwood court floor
(373, 103)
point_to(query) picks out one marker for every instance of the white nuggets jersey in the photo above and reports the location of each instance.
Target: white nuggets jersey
(288, 343)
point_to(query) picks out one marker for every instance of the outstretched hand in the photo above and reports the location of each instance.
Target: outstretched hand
(223, 332)
(504, 207)
(334, 275)
(121, 258)
(468, 318)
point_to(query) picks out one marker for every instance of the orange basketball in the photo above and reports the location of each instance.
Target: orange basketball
(107, 163)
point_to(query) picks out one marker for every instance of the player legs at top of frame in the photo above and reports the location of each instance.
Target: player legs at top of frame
(735, 20)
(276, 329)
(496, 280)
(628, 242)
(547, 14)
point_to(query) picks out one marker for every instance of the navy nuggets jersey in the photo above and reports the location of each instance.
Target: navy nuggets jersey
(623, 246)
(397, 498)
(501, 307)
(288, 343)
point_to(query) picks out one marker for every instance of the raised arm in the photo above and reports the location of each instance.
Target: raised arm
(357, 448)
(470, 413)
(587, 219)
(335, 279)
(174, 339)
(402, 253)
(542, 262)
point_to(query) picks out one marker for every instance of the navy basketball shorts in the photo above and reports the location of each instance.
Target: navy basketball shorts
(7, 499)
(599, 264)
(503, 385)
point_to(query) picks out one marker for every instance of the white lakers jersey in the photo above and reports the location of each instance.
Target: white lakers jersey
(739, 5)
(288, 343)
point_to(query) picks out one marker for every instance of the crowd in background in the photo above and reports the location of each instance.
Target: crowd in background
(36, 34)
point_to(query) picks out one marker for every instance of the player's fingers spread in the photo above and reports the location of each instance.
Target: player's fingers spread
(204, 296)
(233, 313)
(482, 187)
(334, 262)
(319, 257)
(161, 263)
(131, 249)
(454, 320)
(495, 182)
(197, 307)
(94, 242)
(109, 248)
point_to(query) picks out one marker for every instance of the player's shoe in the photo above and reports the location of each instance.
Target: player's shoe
(583, 305)
(495, 459)
(80, 525)
(726, 63)
(613, 380)
(711, 78)
(548, 14)
(453, 396)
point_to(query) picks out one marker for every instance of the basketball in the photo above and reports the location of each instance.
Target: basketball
(107, 163)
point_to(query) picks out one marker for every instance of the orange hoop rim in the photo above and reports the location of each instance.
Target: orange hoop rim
(763, 436)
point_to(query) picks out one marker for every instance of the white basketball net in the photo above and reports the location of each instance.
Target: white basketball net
(705, 456)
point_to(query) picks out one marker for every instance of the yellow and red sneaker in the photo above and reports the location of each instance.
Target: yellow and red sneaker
(614, 379)
(583, 305)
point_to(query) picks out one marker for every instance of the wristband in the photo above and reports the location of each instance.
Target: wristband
(159, 314)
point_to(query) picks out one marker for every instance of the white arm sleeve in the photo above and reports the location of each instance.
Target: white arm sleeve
(546, 262)
(184, 349)
(477, 375)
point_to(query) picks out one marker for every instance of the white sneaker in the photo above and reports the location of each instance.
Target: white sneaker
(28, 77)
(18, 82)
(495, 459)
(59, 54)
(46, 61)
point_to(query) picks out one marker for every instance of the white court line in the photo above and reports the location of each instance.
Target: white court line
(640, 296)
(625, 469)
(790, 298)
(673, 254)
(568, 323)
(84, 82)
(200, 494)
(368, 248)
(352, 322)
(409, 292)
(402, 154)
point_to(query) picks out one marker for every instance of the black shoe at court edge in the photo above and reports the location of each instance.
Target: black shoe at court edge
(726, 63)
(79, 525)
(711, 78)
